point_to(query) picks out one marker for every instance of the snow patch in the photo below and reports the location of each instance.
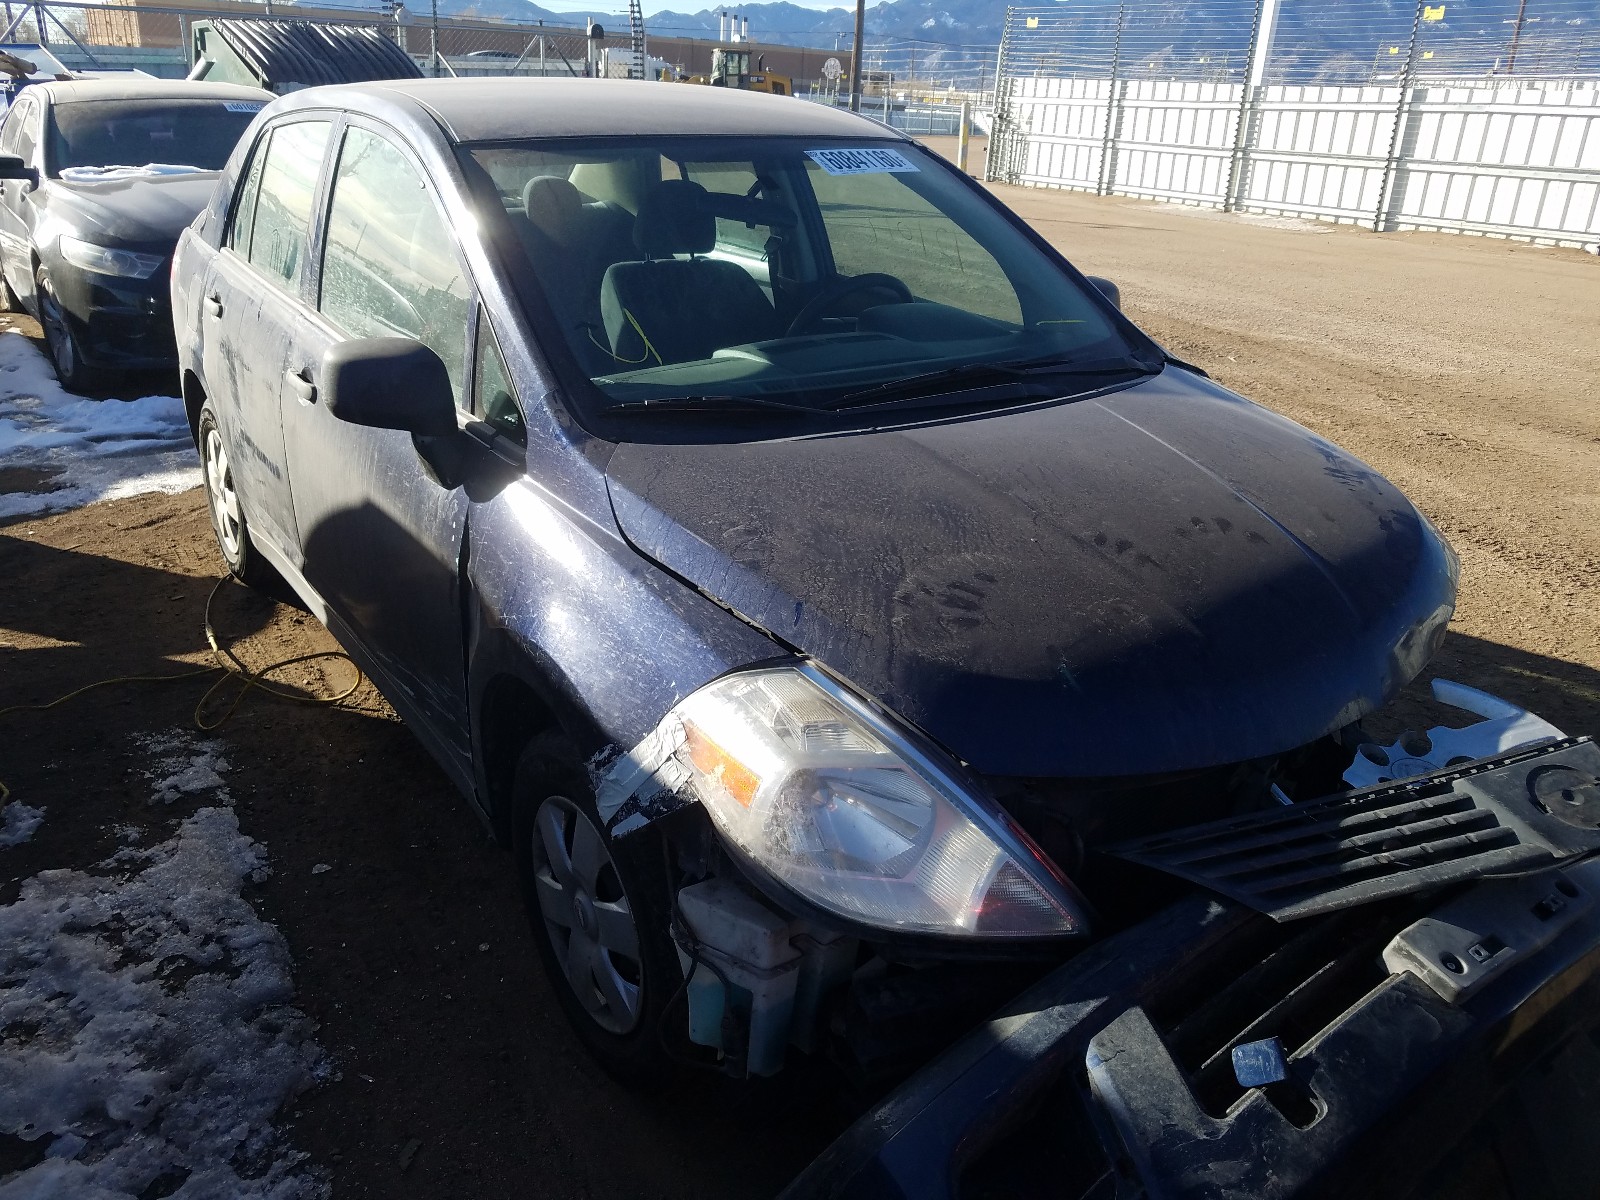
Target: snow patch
(1265, 220)
(106, 174)
(147, 1028)
(184, 765)
(19, 824)
(85, 450)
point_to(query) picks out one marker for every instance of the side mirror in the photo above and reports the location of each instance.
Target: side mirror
(12, 167)
(1108, 289)
(388, 383)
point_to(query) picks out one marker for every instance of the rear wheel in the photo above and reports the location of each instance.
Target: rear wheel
(75, 375)
(600, 913)
(227, 513)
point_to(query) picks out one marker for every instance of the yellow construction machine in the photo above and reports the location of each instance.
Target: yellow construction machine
(730, 68)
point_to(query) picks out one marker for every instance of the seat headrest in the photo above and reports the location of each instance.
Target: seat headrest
(674, 219)
(554, 206)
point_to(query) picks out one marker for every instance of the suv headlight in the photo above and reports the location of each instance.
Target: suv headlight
(107, 260)
(836, 804)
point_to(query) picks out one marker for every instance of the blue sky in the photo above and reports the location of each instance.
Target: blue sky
(654, 6)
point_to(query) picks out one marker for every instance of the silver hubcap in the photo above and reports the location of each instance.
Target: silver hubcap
(586, 915)
(219, 489)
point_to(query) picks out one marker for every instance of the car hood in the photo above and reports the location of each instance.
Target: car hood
(131, 210)
(1164, 578)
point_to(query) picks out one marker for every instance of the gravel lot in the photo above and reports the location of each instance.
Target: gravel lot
(1467, 370)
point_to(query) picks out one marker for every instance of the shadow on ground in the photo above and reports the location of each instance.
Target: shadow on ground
(457, 1073)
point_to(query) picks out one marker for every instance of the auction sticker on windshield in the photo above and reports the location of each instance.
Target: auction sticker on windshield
(865, 161)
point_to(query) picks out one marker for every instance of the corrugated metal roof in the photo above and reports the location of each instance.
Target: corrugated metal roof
(299, 52)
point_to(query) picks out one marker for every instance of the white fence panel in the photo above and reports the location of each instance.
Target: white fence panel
(1176, 140)
(1518, 160)
(1509, 158)
(1063, 122)
(1318, 151)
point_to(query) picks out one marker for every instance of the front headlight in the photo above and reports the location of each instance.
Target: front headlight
(833, 802)
(106, 260)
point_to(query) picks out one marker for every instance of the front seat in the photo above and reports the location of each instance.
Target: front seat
(666, 309)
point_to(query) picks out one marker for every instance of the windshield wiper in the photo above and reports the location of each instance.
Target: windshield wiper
(712, 404)
(953, 385)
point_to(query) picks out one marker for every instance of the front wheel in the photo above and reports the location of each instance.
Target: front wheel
(600, 914)
(227, 514)
(75, 375)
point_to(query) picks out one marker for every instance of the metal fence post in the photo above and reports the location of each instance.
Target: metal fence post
(1402, 110)
(433, 52)
(963, 136)
(997, 162)
(1113, 109)
(1261, 33)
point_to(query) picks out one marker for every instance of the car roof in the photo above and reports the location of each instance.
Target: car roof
(492, 109)
(146, 89)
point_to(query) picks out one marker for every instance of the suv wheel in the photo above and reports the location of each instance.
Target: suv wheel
(600, 913)
(71, 370)
(227, 513)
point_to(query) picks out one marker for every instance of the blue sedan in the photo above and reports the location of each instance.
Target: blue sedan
(810, 575)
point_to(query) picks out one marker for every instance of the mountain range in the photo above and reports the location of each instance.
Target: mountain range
(1315, 42)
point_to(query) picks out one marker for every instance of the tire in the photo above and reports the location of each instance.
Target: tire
(71, 370)
(227, 511)
(600, 913)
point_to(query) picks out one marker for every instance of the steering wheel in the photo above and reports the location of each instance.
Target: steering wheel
(842, 286)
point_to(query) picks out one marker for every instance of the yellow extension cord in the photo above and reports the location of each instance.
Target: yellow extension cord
(228, 663)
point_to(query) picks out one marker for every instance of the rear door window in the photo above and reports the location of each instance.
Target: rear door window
(390, 266)
(25, 133)
(281, 230)
(244, 209)
(734, 237)
(13, 123)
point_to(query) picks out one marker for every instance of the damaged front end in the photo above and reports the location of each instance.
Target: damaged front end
(844, 887)
(835, 829)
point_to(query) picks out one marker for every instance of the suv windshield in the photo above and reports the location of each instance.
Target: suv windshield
(784, 270)
(138, 133)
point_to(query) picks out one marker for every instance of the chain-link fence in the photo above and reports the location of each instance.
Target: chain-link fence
(1354, 42)
(1463, 117)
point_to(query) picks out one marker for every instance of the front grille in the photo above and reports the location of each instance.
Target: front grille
(1483, 818)
(1273, 982)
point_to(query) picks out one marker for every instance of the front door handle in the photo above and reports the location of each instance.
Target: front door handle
(214, 304)
(303, 387)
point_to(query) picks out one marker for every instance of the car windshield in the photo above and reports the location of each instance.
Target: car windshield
(783, 271)
(135, 133)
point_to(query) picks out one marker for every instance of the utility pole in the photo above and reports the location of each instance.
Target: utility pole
(1516, 36)
(855, 57)
(434, 39)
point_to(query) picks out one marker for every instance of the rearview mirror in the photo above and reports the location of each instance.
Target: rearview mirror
(389, 383)
(12, 167)
(1107, 289)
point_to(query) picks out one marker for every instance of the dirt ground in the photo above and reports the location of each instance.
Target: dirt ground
(1467, 370)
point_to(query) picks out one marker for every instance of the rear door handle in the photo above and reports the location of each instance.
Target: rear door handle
(303, 387)
(214, 304)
